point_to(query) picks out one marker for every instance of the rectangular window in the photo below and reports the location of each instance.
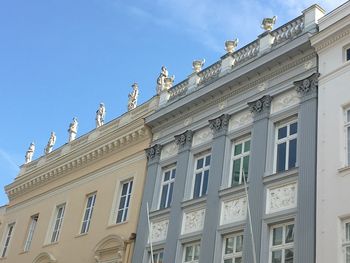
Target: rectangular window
(286, 146)
(282, 243)
(240, 161)
(201, 175)
(347, 135)
(124, 201)
(90, 203)
(191, 253)
(7, 239)
(167, 187)
(158, 256)
(346, 241)
(347, 54)
(58, 222)
(232, 250)
(32, 226)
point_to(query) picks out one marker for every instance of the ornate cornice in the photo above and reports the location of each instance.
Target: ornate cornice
(308, 85)
(220, 123)
(328, 41)
(154, 151)
(184, 139)
(261, 105)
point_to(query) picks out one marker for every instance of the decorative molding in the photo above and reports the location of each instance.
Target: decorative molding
(332, 39)
(154, 151)
(202, 136)
(169, 150)
(220, 123)
(240, 119)
(281, 198)
(308, 85)
(233, 210)
(284, 100)
(261, 105)
(193, 221)
(187, 121)
(184, 139)
(159, 230)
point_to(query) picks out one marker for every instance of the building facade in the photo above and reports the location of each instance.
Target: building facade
(207, 141)
(332, 44)
(80, 203)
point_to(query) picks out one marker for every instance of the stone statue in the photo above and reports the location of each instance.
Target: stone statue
(268, 23)
(197, 65)
(164, 82)
(30, 153)
(73, 129)
(230, 45)
(100, 115)
(132, 103)
(50, 143)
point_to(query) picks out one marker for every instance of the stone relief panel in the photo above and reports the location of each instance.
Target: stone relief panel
(193, 221)
(240, 119)
(159, 230)
(233, 210)
(281, 198)
(169, 150)
(202, 136)
(284, 100)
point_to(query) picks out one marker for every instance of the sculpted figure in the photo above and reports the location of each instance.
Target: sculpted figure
(160, 80)
(50, 143)
(30, 153)
(73, 129)
(132, 103)
(100, 115)
(268, 23)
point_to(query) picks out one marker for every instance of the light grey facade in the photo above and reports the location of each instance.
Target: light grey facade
(254, 111)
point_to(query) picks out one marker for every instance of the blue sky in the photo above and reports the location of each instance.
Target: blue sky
(61, 58)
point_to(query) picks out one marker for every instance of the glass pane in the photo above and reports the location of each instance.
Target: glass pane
(245, 166)
(197, 185)
(164, 194)
(277, 256)
(122, 202)
(196, 252)
(293, 128)
(229, 245)
(247, 146)
(239, 243)
(238, 260)
(189, 254)
(281, 157)
(160, 258)
(205, 182)
(173, 173)
(228, 260)
(238, 149)
(347, 231)
(130, 187)
(125, 188)
(166, 176)
(207, 160)
(236, 171)
(348, 145)
(200, 163)
(347, 256)
(89, 201)
(277, 236)
(170, 197)
(282, 132)
(289, 233)
(348, 54)
(289, 255)
(125, 214)
(120, 216)
(292, 153)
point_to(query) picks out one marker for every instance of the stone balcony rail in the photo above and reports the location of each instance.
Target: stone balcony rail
(247, 52)
(209, 73)
(288, 31)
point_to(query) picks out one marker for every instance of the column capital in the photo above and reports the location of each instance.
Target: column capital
(153, 152)
(184, 139)
(261, 105)
(307, 86)
(220, 123)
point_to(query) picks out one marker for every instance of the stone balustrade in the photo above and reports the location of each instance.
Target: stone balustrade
(288, 31)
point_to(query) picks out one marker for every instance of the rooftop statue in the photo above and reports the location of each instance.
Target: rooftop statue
(100, 115)
(197, 65)
(132, 103)
(230, 45)
(30, 153)
(268, 23)
(50, 143)
(73, 129)
(164, 82)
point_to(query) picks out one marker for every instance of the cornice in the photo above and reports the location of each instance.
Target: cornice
(322, 40)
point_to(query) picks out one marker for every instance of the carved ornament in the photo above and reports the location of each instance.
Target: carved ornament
(305, 86)
(184, 138)
(261, 104)
(153, 151)
(220, 123)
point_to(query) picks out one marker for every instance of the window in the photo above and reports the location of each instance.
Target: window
(191, 253)
(7, 239)
(168, 180)
(32, 226)
(281, 243)
(286, 146)
(201, 175)
(124, 202)
(58, 222)
(347, 134)
(232, 250)
(158, 256)
(240, 161)
(347, 54)
(346, 241)
(90, 202)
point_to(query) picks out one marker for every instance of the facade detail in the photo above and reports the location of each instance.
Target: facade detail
(281, 198)
(159, 230)
(202, 136)
(305, 86)
(220, 123)
(154, 151)
(261, 105)
(193, 221)
(184, 139)
(233, 210)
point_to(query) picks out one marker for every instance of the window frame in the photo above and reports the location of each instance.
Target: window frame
(157, 252)
(30, 232)
(88, 210)
(171, 180)
(283, 247)
(345, 243)
(286, 123)
(202, 155)
(235, 254)
(192, 244)
(346, 135)
(241, 156)
(53, 240)
(6, 242)
(126, 203)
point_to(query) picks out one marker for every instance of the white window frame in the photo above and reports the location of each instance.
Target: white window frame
(287, 141)
(168, 182)
(345, 52)
(346, 127)
(57, 221)
(157, 254)
(240, 156)
(345, 240)
(235, 254)
(201, 170)
(127, 202)
(33, 222)
(194, 244)
(7, 239)
(283, 246)
(85, 223)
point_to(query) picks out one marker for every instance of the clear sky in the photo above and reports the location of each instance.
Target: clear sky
(61, 58)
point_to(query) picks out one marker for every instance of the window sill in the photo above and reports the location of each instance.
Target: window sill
(51, 244)
(117, 224)
(272, 178)
(160, 212)
(23, 252)
(344, 171)
(193, 202)
(81, 235)
(233, 190)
